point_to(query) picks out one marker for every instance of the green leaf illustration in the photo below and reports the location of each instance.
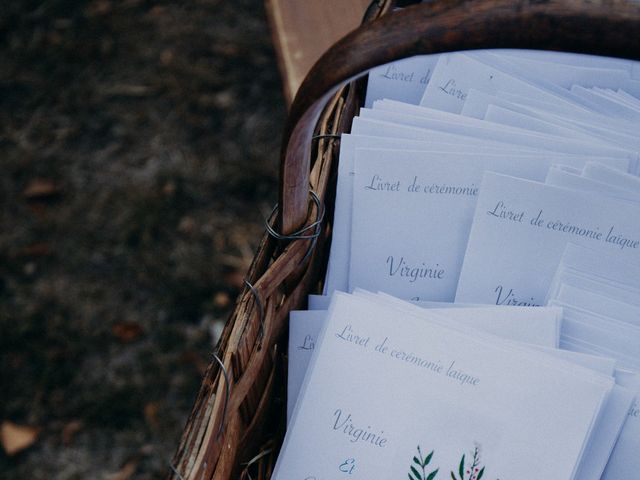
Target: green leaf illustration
(417, 469)
(416, 473)
(428, 459)
(475, 470)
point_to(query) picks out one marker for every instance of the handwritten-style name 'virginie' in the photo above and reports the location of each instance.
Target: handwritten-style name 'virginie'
(344, 423)
(413, 272)
(508, 297)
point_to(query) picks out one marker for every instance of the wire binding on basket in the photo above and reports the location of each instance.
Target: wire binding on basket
(302, 233)
(258, 298)
(225, 374)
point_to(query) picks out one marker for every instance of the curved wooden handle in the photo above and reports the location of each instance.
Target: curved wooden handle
(600, 27)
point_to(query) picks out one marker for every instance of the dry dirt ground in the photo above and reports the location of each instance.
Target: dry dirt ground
(138, 155)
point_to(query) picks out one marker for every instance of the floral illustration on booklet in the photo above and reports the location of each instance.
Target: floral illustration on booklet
(466, 470)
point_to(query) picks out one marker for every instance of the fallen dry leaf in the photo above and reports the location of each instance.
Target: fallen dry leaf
(151, 410)
(70, 430)
(187, 225)
(127, 470)
(221, 300)
(124, 90)
(167, 56)
(35, 250)
(40, 188)
(169, 188)
(127, 332)
(16, 438)
(99, 8)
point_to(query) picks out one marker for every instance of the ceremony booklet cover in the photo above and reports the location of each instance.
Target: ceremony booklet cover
(521, 228)
(386, 386)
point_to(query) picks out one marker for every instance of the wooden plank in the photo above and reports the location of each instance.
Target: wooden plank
(303, 29)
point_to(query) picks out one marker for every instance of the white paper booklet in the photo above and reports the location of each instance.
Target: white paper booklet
(404, 80)
(624, 463)
(456, 73)
(442, 391)
(520, 230)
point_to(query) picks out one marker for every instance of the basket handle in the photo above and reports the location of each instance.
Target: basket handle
(602, 27)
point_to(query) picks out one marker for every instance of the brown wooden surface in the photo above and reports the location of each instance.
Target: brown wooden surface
(602, 27)
(303, 30)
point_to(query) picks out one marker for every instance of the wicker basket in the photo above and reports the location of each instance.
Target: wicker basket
(237, 424)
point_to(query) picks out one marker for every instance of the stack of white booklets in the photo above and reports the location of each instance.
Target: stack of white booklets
(481, 313)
